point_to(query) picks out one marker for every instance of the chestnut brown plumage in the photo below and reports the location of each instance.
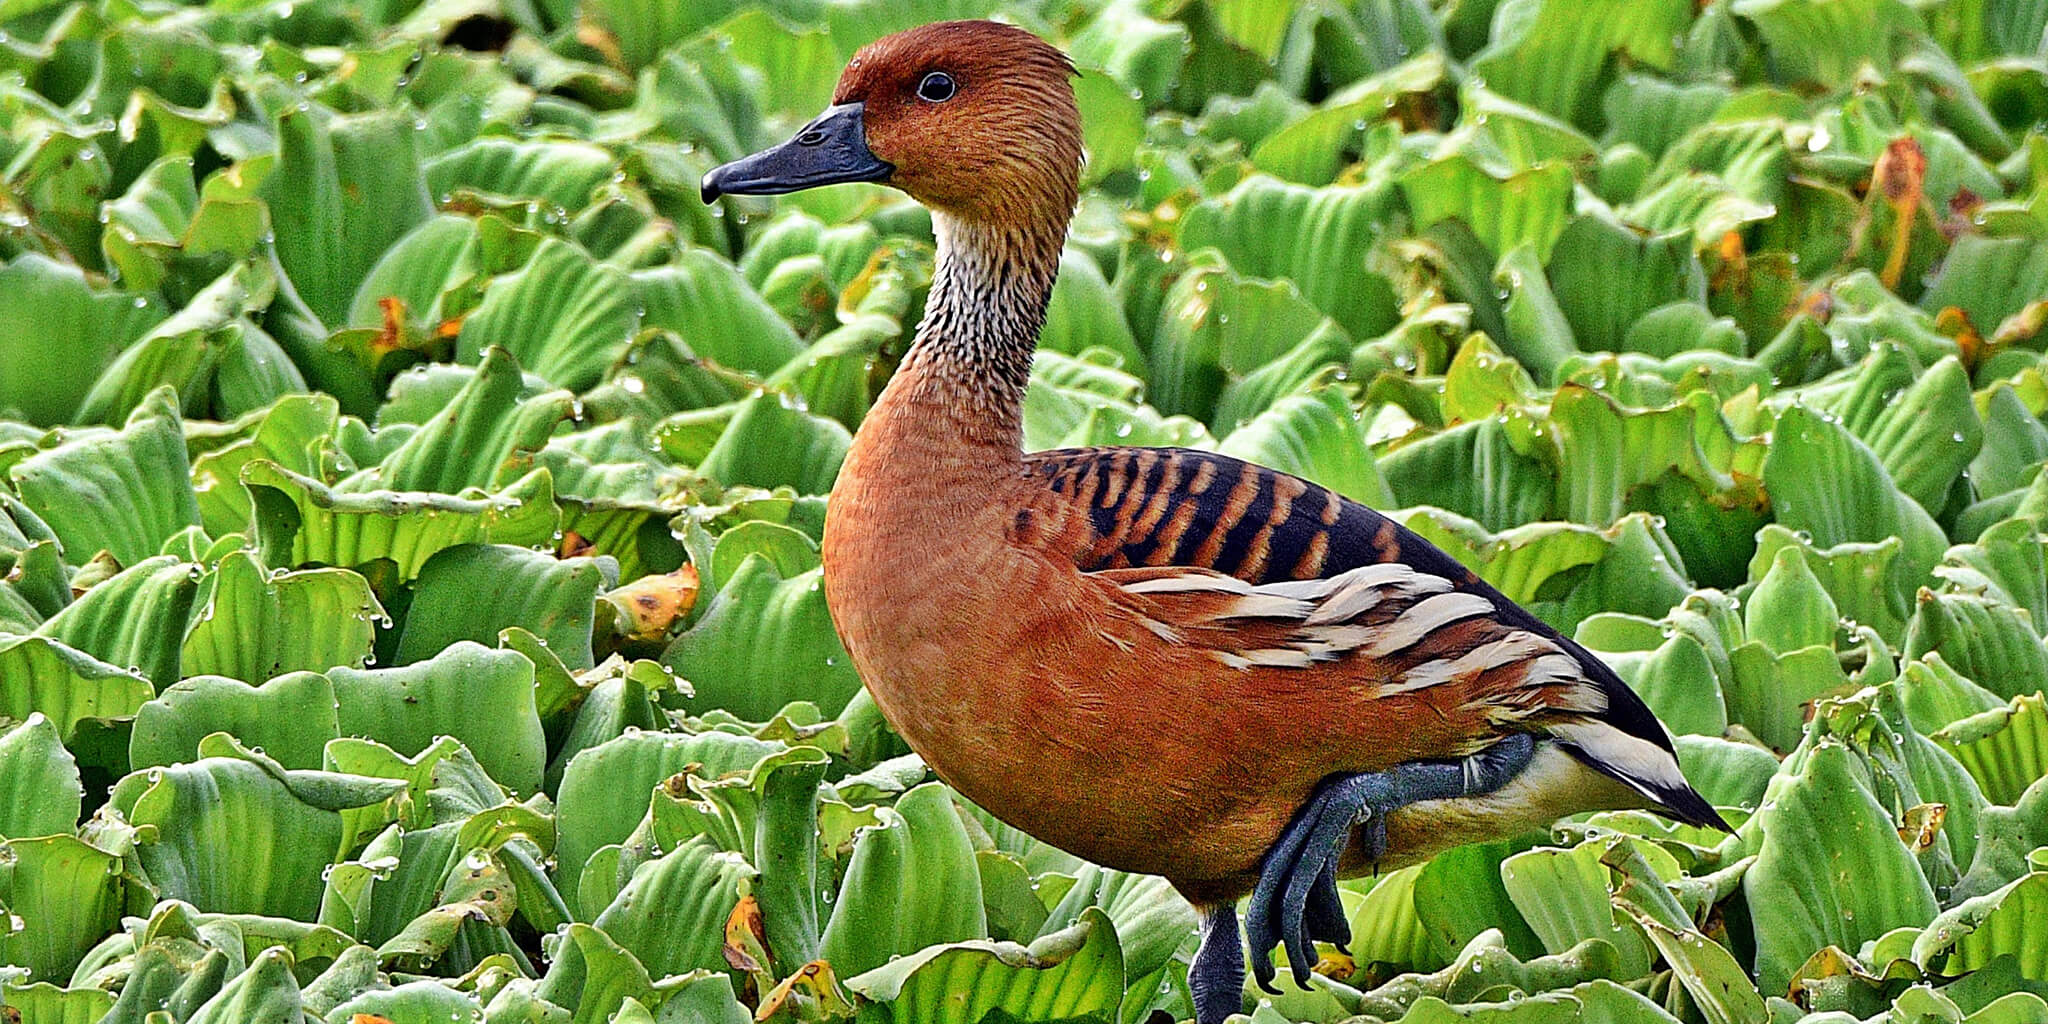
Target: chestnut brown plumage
(1157, 659)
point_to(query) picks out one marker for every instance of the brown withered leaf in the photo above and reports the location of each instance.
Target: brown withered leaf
(1900, 178)
(815, 980)
(1921, 824)
(1962, 213)
(602, 39)
(391, 333)
(648, 606)
(1818, 304)
(102, 566)
(746, 937)
(1970, 344)
(2021, 326)
(1337, 966)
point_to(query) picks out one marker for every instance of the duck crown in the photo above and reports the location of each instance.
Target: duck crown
(977, 118)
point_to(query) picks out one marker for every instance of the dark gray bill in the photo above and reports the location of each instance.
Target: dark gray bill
(832, 149)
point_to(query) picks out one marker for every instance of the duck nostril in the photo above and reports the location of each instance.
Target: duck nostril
(810, 138)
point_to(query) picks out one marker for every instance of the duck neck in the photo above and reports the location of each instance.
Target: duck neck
(971, 360)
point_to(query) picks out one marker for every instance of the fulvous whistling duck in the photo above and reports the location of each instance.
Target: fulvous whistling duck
(1163, 660)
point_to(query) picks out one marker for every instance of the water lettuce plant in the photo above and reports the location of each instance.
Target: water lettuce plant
(410, 496)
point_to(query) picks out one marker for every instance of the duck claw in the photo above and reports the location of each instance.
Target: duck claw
(1295, 903)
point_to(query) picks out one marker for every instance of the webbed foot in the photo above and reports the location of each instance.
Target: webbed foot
(1296, 902)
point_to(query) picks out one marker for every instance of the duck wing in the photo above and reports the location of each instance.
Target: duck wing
(1264, 569)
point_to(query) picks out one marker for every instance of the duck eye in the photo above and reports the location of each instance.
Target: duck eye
(937, 87)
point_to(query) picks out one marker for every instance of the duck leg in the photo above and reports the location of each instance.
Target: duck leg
(1296, 901)
(1216, 978)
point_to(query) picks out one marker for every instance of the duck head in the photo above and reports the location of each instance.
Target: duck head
(975, 119)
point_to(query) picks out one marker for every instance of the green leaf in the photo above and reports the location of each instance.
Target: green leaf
(1830, 869)
(1552, 55)
(39, 790)
(1989, 279)
(771, 443)
(556, 171)
(221, 364)
(1789, 608)
(1436, 470)
(1976, 932)
(1459, 896)
(485, 435)
(563, 315)
(1563, 895)
(301, 521)
(1678, 679)
(555, 599)
(1727, 774)
(253, 625)
(231, 835)
(878, 915)
(1936, 694)
(2006, 564)
(594, 975)
(1854, 574)
(1316, 238)
(1084, 314)
(764, 641)
(1485, 969)
(344, 189)
(124, 493)
(1316, 437)
(45, 1002)
(605, 789)
(417, 1000)
(769, 816)
(266, 993)
(38, 674)
(672, 914)
(1076, 974)
(1386, 928)
(1921, 425)
(136, 618)
(1768, 693)
(480, 696)
(2005, 749)
(1606, 276)
(1153, 922)
(296, 432)
(706, 301)
(59, 334)
(1710, 974)
(64, 895)
(290, 717)
(1824, 481)
(164, 234)
(1504, 208)
(1982, 638)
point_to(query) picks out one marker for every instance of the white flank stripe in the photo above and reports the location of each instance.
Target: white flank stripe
(1278, 657)
(1552, 669)
(1426, 617)
(1257, 605)
(1160, 629)
(1300, 590)
(1505, 651)
(1186, 583)
(1640, 763)
(1363, 588)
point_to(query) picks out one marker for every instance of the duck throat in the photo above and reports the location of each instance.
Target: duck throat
(971, 359)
